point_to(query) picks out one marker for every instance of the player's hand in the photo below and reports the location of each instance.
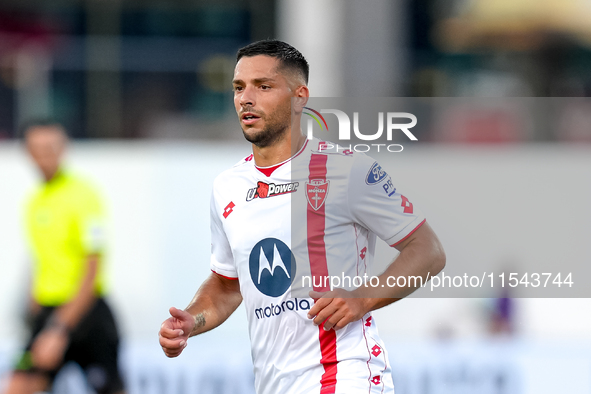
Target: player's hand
(336, 308)
(49, 348)
(174, 332)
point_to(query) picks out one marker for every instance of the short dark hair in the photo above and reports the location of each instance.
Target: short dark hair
(40, 122)
(289, 57)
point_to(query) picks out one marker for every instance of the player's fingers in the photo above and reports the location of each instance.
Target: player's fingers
(317, 294)
(332, 321)
(171, 333)
(319, 305)
(181, 315)
(178, 313)
(342, 323)
(173, 352)
(324, 314)
(169, 323)
(172, 344)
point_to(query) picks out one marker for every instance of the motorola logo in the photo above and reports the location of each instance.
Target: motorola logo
(272, 266)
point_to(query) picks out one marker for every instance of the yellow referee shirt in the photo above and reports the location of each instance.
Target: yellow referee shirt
(65, 223)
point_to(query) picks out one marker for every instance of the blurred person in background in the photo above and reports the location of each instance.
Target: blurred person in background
(325, 342)
(70, 319)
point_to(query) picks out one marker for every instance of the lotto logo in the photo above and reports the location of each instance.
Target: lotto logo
(229, 209)
(407, 205)
(376, 350)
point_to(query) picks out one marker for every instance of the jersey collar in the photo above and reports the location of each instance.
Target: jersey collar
(267, 171)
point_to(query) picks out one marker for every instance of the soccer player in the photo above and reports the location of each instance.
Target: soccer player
(325, 342)
(72, 322)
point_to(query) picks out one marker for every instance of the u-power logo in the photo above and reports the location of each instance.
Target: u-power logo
(394, 122)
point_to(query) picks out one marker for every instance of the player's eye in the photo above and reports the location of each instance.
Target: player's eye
(238, 88)
(265, 87)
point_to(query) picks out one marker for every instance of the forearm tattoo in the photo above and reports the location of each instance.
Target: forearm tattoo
(199, 321)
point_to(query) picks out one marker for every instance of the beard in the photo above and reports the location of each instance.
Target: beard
(276, 126)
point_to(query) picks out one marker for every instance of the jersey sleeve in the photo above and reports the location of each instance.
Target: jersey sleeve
(375, 203)
(222, 259)
(91, 221)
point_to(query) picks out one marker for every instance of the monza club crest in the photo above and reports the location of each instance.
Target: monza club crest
(316, 192)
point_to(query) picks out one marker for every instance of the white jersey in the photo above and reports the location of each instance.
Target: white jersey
(316, 214)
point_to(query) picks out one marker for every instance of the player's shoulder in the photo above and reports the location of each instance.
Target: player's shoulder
(330, 148)
(80, 184)
(338, 152)
(236, 172)
(66, 182)
(244, 162)
(83, 193)
(343, 157)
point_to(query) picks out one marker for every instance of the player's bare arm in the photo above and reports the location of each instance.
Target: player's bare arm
(50, 345)
(421, 254)
(217, 298)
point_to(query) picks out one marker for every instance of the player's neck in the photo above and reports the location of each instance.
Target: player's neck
(50, 175)
(280, 151)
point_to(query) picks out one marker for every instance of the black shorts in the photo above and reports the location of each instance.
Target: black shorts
(94, 345)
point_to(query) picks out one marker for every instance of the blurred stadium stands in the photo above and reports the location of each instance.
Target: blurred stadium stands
(131, 69)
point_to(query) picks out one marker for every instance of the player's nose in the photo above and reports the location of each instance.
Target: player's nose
(247, 98)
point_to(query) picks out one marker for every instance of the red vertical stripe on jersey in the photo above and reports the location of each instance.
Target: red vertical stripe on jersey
(319, 270)
(316, 224)
(328, 348)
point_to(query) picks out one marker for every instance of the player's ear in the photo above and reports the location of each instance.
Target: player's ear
(301, 98)
(302, 91)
